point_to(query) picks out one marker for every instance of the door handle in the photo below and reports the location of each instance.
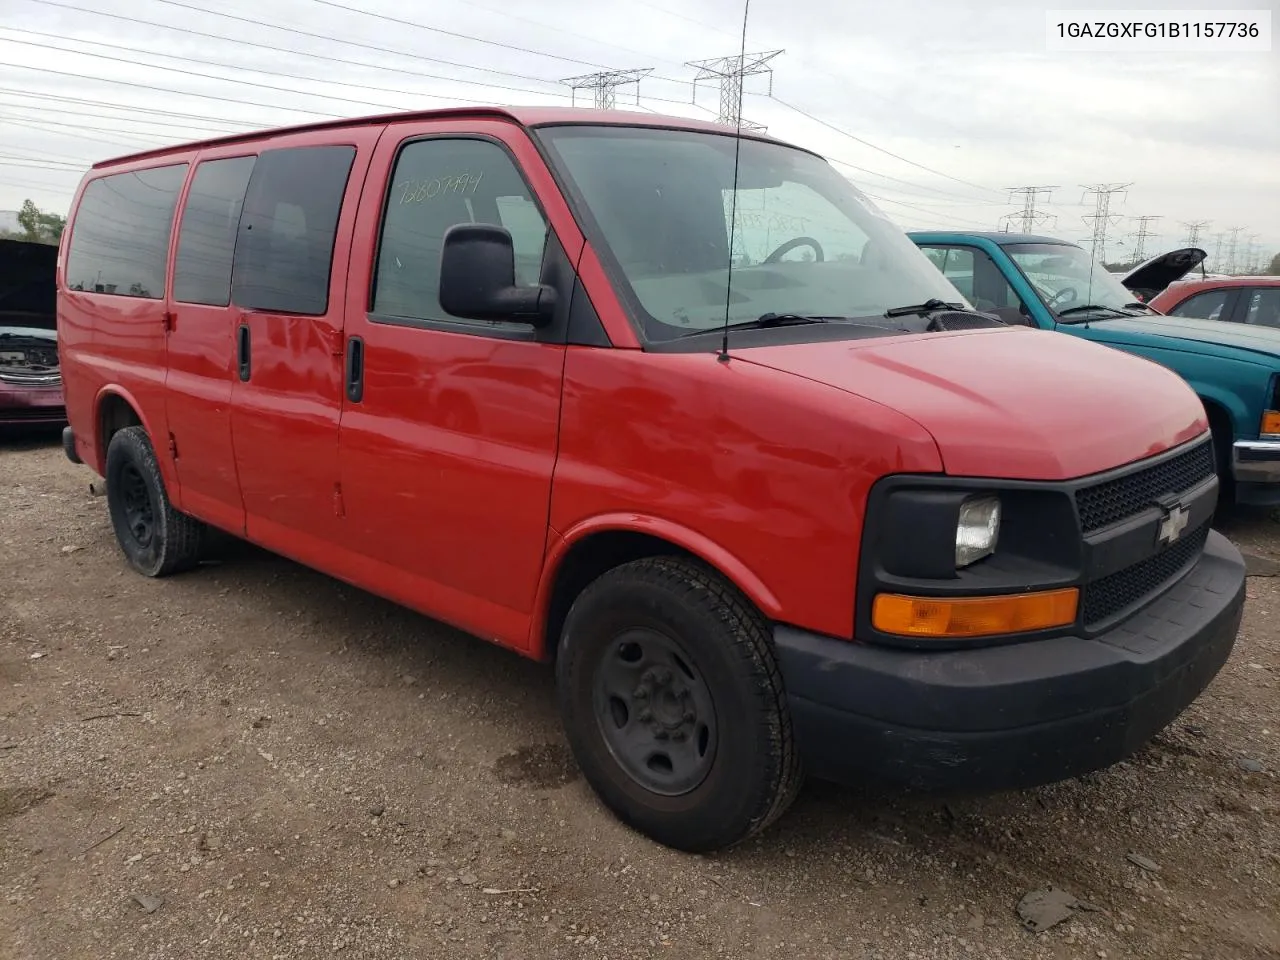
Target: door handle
(355, 369)
(242, 350)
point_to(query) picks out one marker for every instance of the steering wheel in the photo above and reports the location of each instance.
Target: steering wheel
(1061, 298)
(790, 245)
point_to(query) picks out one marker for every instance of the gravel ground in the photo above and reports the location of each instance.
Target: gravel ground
(255, 761)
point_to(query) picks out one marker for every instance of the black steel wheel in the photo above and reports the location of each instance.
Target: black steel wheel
(673, 704)
(156, 539)
(655, 711)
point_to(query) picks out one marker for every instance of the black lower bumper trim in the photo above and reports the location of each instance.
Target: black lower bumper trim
(69, 445)
(1018, 715)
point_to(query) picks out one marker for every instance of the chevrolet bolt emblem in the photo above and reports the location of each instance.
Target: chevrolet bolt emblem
(1174, 522)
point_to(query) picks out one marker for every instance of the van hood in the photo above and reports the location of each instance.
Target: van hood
(1009, 403)
(1261, 340)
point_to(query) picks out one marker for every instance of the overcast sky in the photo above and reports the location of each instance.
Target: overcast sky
(950, 102)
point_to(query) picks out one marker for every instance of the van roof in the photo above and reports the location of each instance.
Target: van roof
(524, 116)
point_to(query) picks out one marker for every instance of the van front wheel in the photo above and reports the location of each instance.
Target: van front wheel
(674, 707)
(156, 539)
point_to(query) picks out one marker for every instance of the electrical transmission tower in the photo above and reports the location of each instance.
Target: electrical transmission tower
(731, 71)
(1028, 216)
(1193, 230)
(1218, 239)
(1102, 219)
(1141, 236)
(605, 85)
(1250, 265)
(1232, 248)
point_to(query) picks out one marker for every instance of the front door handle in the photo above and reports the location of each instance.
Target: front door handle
(355, 369)
(242, 350)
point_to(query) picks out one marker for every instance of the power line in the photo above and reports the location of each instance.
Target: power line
(1029, 216)
(149, 121)
(239, 67)
(890, 153)
(604, 85)
(111, 105)
(731, 71)
(447, 33)
(369, 65)
(366, 64)
(932, 215)
(293, 30)
(1102, 218)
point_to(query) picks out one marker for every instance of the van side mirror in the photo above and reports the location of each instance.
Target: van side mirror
(478, 278)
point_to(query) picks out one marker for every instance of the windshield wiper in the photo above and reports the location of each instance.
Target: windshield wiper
(1115, 313)
(766, 320)
(932, 305)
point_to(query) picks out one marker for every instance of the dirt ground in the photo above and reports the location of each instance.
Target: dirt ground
(276, 765)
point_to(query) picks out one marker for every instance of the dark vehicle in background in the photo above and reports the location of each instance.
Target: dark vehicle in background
(30, 379)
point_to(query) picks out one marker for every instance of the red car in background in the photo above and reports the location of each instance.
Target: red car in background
(1254, 300)
(30, 378)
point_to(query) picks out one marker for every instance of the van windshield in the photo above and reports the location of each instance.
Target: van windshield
(802, 239)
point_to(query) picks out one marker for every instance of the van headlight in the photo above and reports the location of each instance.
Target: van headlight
(977, 530)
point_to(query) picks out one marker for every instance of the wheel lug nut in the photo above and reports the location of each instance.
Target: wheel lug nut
(644, 716)
(678, 736)
(660, 735)
(641, 694)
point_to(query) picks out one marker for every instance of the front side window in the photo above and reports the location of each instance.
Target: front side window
(284, 254)
(1067, 278)
(436, 184)
(1209, 305)
(1263, 307)
(207, 236)
(120, 237)
(975, 274)
(795, 238)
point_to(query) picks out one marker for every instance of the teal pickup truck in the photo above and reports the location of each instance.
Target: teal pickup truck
(1056, 285)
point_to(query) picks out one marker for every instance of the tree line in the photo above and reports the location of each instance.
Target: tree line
(36, 226)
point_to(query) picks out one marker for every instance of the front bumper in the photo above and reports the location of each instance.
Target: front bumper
(1018, 715)
(1255, 464)
(31, 404)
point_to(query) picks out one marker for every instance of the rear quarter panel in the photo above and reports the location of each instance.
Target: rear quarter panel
(113, 346)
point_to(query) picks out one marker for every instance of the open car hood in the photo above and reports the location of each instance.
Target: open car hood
(1149, 278)
(28, 285)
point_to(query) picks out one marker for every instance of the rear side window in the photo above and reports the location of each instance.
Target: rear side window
(284, 252)
(120, 238)
(1203, 306)
(436, 184)
(207, 234)
(1263, 307)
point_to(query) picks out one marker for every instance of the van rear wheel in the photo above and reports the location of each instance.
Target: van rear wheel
(673, 704)
(156, 539)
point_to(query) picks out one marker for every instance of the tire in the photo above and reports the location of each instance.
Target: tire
(1222, 440)
(703, 657)
(156, 539)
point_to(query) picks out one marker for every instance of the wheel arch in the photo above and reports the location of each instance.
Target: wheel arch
(114, 408)
(596, 546)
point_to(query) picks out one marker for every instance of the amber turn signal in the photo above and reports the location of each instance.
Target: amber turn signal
(946, 617)
(1270, 422)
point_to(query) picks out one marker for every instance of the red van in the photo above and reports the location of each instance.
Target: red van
(681, 412)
